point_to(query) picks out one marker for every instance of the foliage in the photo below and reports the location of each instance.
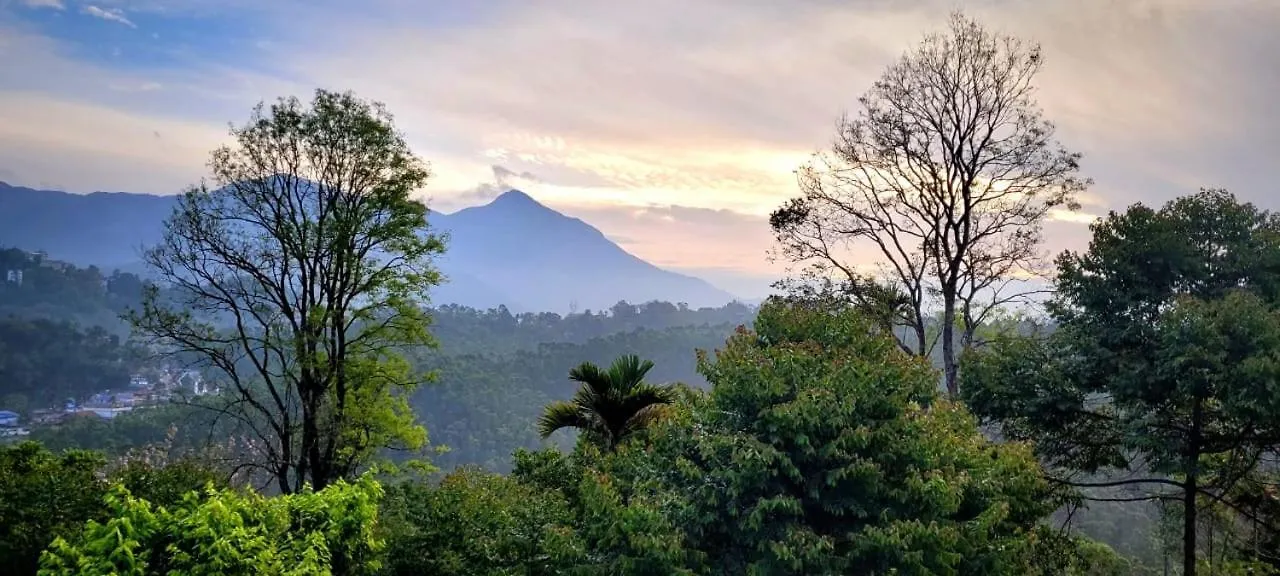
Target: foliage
(43, 363)
(820, 449)
(63, 293)
(297, 277)
(498, 332)
(224, 532)
(133, 429)
(1164, 365)
(611, 404)
(478, 523)
(623, 530)
(946, 174)
(44, 496)
(483, 407)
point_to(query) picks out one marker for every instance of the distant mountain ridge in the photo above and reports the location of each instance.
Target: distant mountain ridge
(513, 251)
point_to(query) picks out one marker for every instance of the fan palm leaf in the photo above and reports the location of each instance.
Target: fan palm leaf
(611, 404)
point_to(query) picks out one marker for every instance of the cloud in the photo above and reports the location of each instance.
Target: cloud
(680, 236)
(1076, 216)
(82, 159)
(502, 180)
(674, 126)
(718, 115)
(112, 14)
(54, 4)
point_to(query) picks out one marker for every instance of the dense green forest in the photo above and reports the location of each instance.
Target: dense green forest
(35, 286)
(912, 422)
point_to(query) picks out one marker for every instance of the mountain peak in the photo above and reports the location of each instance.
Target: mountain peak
(515, 197)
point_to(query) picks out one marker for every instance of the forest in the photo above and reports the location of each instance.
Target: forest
(945, 415)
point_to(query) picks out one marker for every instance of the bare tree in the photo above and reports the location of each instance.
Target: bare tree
(295, 278)
(946, 175)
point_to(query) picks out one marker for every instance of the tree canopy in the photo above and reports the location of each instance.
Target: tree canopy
(313, 253)
(1162, 371)
(944, 175)
(224, 532)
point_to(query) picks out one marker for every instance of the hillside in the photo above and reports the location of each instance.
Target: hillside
(512, 251)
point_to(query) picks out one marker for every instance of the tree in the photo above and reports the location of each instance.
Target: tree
(611, 405)
(475, 522)
(946, 174)
(326, 533)
(823, 449)
(44, 496)
(296, 278)
(1162, 372)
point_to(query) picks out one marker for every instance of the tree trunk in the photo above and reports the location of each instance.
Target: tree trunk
(922, 337)
(1189, 527)
(1191, 490)
(950, 368)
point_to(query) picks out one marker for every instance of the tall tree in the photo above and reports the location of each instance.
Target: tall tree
(946, 174)
(822, 449)
(294, 279)
(1162, 373)
(610, 405)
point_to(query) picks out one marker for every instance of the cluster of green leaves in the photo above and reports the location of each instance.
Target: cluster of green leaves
(228, 532)
(129, 430)
(44, 495)
(477, 522)
(611, 404)
(821, 448)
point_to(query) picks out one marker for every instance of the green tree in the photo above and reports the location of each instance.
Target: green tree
(946, 175)
(224, 532)
(296, 277)
(1162, 373)
(824, 449)
(611, 404)
(479, 523)
(44, 496)
(624, 528)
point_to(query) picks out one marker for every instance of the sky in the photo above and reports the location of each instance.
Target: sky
(672, 126)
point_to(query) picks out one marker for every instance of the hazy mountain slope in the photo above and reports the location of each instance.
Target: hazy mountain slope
(512, 251)
(105, 229)
(549, 261)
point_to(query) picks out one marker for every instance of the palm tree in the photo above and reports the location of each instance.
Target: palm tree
(611, 404)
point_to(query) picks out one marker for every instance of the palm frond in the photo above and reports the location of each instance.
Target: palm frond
(592, 376)
(628, 371)
(610, 404)
(563, 414)
(645, 395)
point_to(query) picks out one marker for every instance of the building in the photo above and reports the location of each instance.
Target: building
(8, 419)
(13, 277)
(105, 412)
(192, 380)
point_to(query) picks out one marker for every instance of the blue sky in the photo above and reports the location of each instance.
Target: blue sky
(671, 125)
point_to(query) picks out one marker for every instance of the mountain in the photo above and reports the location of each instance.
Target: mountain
(106, 229)
(541, 259)
(513, 251)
